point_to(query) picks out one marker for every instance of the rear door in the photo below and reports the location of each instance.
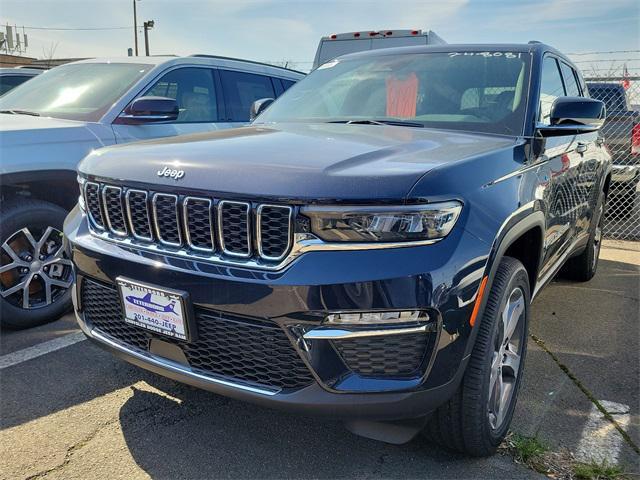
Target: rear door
(198, 93)
(585, 152)
(560, 172)
(241, 89)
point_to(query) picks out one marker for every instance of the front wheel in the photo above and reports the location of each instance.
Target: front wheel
(477, 418)
(35, 274)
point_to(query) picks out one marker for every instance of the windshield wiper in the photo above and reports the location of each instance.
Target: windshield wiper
(397, 123)
(21, 112)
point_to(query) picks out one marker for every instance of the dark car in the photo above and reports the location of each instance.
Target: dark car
(368, 249)
(10, 78)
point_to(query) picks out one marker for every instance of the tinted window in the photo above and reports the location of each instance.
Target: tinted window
(550, 88)
(286, 84)
(570, 80)
(76, 91)
(466, 90)
(241, 90)
(194, 91)
(7, 82)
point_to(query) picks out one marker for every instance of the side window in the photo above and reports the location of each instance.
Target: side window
(194, 91)
(570, 80)
(241, 90)
(8, 82)
(286, 84)
(550, 88)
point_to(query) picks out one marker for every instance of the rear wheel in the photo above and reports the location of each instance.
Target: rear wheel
(35, 274)
(477, 418)
(583, 267)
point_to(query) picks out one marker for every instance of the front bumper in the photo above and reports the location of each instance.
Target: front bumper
(625, 174)
(295, 301)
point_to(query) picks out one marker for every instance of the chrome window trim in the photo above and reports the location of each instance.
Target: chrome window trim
(129, 218)
(221, 205)
(89, 214)
(185, 217)
(259, 231)
(154, 201)
(120, 233)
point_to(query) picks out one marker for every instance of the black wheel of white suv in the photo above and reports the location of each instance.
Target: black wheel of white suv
(35, 275)
(476, 419)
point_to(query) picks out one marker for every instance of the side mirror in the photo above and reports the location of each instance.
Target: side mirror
(258, 107)
(149, 110)
(573, 116)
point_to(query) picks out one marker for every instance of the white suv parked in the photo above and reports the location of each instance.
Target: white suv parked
(47, 125)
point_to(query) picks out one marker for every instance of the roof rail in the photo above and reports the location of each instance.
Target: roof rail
(533, 42)
(220, 57)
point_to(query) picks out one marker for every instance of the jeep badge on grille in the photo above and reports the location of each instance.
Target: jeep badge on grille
(171, 173)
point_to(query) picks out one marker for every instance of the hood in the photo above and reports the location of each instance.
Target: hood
(29, 130)
(294, 161)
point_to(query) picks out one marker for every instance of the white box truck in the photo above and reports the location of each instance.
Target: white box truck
(338, 44)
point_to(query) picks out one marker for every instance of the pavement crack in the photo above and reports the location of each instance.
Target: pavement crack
(71, 450)
(607, 415)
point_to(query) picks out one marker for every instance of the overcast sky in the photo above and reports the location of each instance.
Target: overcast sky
(276, 30)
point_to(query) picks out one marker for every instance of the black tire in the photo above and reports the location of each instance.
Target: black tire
(464, 423)
(583, 267)
(35, 215)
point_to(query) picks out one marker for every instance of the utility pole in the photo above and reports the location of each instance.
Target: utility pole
(135, 26)
(148, 25)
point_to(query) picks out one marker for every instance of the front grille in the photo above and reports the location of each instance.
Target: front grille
(92, 200)
(138, 211)
(234, 228)
(392, 355)
(205, 226)
(111, 197)
(255, 352)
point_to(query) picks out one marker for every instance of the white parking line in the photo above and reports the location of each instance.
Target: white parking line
(600, 440)
(43, 348)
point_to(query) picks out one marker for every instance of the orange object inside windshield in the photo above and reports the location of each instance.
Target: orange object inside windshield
(402, 95)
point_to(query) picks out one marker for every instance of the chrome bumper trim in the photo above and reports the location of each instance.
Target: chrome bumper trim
(331, 333)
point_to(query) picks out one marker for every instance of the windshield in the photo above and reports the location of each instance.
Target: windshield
(79, 91)
(472, 91)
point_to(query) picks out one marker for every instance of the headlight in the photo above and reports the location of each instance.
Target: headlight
(383, 224)
(81, 203)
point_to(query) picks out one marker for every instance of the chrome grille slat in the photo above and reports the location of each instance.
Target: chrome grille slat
(92, 201)
(138, 214)
(218, 230)
(166, 219)
(112, 203)
(273, 231)
(198, 223)
(234, 228)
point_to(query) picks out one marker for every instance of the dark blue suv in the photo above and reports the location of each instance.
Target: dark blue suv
(367, 249)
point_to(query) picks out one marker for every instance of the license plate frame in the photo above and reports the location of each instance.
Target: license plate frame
(163, 311)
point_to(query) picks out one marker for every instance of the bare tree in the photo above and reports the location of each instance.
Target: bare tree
(49, 53)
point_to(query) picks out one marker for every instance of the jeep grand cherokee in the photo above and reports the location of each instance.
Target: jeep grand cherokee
(368, 248)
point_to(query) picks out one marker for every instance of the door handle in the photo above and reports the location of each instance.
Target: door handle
(582, 147)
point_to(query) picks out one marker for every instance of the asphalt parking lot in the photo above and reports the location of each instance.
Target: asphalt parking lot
(78, 412)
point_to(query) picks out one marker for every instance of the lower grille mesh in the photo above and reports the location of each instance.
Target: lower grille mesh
(253, 352)
(393, 355)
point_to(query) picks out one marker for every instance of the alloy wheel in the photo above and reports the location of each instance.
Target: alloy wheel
(507, 355)
(34, 273)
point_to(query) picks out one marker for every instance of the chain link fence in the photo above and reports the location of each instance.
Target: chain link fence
(621, 131)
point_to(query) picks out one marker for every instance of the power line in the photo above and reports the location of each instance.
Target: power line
(609, 60)
(75, 29)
